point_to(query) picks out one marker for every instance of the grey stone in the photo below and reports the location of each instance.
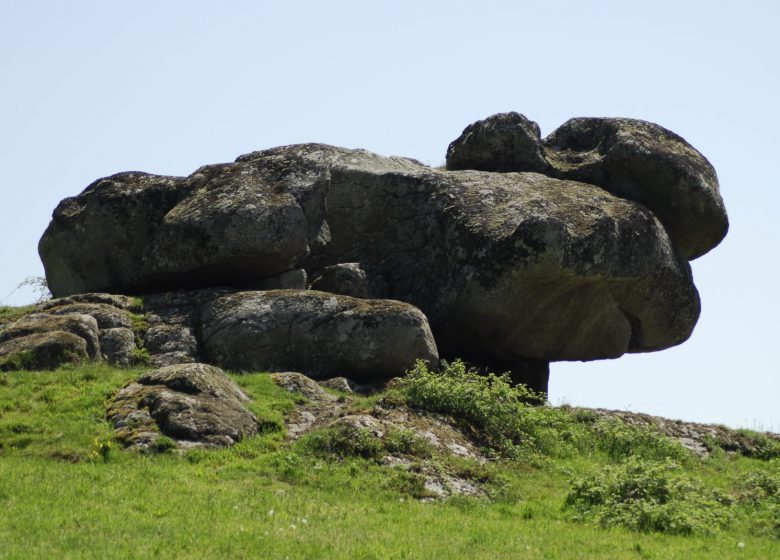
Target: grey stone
(42, 350)
(634, 159)
(78, 324)
(510, 266)
(295, 382)
(502, 142)
(194, 404)
(315, 333)
(118, 346)
(340, 384)
(107, 316)
(349, 279)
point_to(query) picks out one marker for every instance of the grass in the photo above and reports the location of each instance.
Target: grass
(12, 313)
(63, 493)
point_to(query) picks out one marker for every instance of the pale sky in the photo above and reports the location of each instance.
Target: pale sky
(94, 88)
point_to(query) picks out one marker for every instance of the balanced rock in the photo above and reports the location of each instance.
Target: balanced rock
(634, 159)
(193, 404)
(506, 266)
(316, 333)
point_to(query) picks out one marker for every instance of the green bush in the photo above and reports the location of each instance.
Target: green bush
(499, 413)
(345, 441)
(648, 496)
(618, 440)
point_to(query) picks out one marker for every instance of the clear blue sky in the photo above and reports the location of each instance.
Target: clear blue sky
(93, 88)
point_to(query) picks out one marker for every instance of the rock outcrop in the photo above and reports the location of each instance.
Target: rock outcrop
(634, 159)
(69, 330)
(192, 404)
(317, 333)
(523, 251)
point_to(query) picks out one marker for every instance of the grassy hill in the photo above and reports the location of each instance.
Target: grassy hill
(555, 482)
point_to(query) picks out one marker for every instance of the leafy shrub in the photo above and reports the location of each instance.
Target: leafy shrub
(406, 442)
(758, 445)
(513, 420)
(762, 487)
(500, 412)
(648, 496)
(162, 444)
(618, 440)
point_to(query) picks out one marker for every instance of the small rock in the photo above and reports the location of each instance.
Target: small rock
(40, 351)
(340, 384)
(298, 383)
(118, 346)
(194, 404)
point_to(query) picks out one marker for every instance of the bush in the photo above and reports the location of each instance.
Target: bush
(345, 441)
(648, 496)
(619, 440)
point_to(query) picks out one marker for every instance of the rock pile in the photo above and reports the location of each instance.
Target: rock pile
(333, 262)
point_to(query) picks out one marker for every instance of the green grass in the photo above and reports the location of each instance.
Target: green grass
(11, 313)
(61, 496)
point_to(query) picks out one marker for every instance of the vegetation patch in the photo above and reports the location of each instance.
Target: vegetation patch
(648, 496)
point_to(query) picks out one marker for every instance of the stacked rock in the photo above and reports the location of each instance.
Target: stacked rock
(332, 261)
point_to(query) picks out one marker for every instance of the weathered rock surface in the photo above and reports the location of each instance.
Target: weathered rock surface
(193, 404)
(512, 267)
(341, 384)
(349, 279)
(77, 324)
(316, 333)
(42, 350)
(502, 142)
(304, 385)
(634, 159)
(102, 321)
(118, 346)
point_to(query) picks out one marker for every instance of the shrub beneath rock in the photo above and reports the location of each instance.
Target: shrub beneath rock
(512, 419)
(648, 496)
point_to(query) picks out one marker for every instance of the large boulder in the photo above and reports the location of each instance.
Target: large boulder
(507, 267)
(634, 159)
(193, 404)
(319, 334)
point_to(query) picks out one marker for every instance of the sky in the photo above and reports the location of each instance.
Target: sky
(91, 88)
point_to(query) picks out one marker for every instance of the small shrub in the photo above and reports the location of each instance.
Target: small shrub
(345, 441)
(162, 444)
(502, 415)
(762, 487)
(758, 445)
(649, 497)
(141, 355)
(618, 440)
(406, 442)
(101, 449)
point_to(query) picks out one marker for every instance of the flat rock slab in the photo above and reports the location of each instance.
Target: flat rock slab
(193, 404)
(319, 334)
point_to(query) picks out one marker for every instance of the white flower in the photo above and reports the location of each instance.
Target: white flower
(270, 512)
(741, 545)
